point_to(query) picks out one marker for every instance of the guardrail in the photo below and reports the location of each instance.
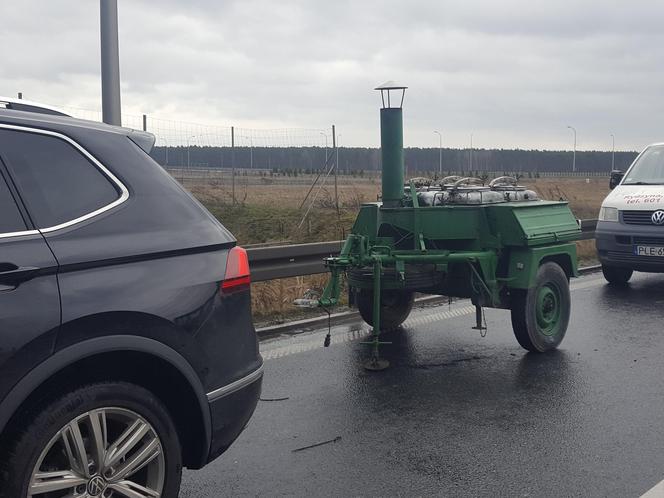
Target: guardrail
(295, 260)
(588, 229)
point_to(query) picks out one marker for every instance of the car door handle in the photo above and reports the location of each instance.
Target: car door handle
(13, 275)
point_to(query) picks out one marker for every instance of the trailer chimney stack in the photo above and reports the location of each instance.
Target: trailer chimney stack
(391, 142)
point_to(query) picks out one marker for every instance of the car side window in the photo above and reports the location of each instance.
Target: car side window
(10, 217)
(56, 181)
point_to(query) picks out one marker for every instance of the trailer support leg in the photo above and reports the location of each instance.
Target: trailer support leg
(376, 362)
(478, 318)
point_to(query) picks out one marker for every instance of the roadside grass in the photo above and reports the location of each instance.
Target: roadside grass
(272, 301)
(584, 195)
(278, 218)
(586, 253)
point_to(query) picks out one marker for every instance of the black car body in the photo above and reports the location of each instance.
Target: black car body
(111, 272)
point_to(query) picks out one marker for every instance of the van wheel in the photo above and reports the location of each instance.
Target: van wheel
(616, 275)
(540, 315)
(102, 440)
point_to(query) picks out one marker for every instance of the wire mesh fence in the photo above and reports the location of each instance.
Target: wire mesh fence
(183, 146)
(231, 159)
(197, 153)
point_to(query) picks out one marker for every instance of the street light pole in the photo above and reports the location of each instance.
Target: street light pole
(613, 152)
(574, 153)
(110, 62)
(440, 153)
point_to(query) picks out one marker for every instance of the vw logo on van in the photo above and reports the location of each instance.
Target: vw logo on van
(658, 217)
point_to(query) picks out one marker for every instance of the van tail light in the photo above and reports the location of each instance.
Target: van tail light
(237, 275)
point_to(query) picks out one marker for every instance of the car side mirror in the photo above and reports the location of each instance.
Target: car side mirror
(616, 178)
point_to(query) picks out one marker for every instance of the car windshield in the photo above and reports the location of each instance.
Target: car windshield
(648, 169)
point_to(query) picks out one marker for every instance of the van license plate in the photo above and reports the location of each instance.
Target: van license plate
(657, 251)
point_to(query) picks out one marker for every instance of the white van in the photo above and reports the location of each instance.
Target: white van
(630, 230)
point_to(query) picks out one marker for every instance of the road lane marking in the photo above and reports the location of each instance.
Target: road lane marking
(301, 344)
(656, 491)
(341, 334)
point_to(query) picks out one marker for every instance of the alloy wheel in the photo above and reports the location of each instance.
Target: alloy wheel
(107, 452)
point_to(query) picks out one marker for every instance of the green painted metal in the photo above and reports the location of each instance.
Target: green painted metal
(533, 223)
(391, 147)
(548, 309)
(485, 251)
(481, 252)
(523, 263)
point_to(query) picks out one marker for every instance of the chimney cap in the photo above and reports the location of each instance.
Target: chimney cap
(390, 85)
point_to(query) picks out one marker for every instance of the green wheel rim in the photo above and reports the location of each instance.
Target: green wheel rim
(548, 311)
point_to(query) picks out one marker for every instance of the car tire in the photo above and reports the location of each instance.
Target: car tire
(616, 275)
(395, 306)
(540, 315)
(138, 445)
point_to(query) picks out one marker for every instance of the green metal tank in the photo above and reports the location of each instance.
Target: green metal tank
(497, 244)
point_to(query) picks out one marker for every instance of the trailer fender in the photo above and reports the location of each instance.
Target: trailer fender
(524, 262)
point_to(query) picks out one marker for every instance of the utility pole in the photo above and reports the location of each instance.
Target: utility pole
(613, 152)
(574, 153)
(440, 153)
(110, 62)
(470, 159)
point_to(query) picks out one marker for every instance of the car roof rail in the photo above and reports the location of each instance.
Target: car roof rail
(29, 106)
(144, 139)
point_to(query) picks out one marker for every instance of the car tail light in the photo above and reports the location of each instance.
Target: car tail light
(237, 275)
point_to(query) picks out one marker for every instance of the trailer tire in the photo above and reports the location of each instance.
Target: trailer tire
(395, 306)
(540, 315)
(616, 275)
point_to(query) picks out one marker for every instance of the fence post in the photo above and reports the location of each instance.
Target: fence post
(336, 167)
(233, 162)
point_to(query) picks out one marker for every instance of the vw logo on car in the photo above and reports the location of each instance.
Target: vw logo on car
(658, 217)
(96, 486)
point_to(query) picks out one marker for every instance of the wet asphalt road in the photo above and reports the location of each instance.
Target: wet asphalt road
(460, 415)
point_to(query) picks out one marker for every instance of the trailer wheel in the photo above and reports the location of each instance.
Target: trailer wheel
(540, 315)
(616, 275)
(395, 306)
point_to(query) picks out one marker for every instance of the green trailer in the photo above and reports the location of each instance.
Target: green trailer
(497, 244)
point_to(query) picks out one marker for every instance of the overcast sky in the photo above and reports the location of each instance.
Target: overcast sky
(514, 73)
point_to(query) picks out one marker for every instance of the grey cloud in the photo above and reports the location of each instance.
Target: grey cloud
(514, 72)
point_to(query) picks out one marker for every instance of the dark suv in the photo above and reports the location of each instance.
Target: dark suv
(127, 349)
